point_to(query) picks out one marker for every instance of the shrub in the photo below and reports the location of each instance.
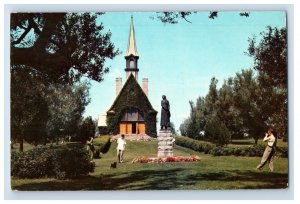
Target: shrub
(86, 130)
(250, 151)
(101, 145)
(199, 146)
(61, 162)
(217, 132)
(282, 151)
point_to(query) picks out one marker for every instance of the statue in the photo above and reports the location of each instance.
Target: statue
(165, 113)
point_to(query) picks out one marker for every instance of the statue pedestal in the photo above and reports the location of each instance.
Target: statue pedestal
(165, 144)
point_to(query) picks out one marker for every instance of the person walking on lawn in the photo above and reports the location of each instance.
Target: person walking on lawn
(121, 148)
(269, 152)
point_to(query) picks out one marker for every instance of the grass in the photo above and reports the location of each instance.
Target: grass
(210, 172)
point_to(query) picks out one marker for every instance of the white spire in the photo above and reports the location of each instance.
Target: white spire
(131, 48)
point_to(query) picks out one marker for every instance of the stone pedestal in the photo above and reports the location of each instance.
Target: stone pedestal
(165, 143)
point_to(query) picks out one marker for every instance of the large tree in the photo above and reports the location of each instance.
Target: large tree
(29, 110)
(270, 60)
(66, 107)
(247, 97)
(64, 46)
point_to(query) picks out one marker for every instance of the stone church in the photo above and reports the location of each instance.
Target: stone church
(131, 113)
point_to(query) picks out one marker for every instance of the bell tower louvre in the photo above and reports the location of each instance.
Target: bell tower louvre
(131, 55)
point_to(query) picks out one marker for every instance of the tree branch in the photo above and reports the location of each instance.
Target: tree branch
(51, 22)
(34, 25)
(22, 36)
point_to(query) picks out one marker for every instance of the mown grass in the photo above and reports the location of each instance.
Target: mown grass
(210, 172)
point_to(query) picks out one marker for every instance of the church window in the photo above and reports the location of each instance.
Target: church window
(131, 63)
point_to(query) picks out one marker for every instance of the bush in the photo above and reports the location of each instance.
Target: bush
(250, 151)
(217, 132)
(208, 148)
(282, 151)
(199, 146)
(61, 162)
(102, 145)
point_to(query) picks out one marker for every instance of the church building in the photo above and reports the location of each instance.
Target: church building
(131, 112)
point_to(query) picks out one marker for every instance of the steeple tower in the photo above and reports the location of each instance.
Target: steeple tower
(131, 55)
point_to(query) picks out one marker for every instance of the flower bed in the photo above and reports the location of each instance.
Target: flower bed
(191, 158)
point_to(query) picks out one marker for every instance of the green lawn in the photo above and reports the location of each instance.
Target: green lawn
(210, 172)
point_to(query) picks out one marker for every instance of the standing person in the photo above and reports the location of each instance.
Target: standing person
(269, 152)
(165, 113)
(120, 148)
(91, 148)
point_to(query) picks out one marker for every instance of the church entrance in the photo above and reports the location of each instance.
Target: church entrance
(132, 122)
(132, 128)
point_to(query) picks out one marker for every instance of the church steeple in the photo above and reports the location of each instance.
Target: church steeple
(131, 55)
(131, 48)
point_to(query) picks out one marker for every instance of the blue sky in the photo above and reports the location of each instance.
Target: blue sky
(179, 60)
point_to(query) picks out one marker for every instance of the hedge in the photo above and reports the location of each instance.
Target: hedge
(199, 146)
(61, 162)
(102, 145)
(208, 148)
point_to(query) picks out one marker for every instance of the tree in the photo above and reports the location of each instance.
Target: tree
(87, 130)
(247, 97)
(270, 56)
(212, 95)
(216, 131)
(175, 17)
(270, 61)
(184, 126)
(172, 127)
(226, 110)
(63, 46)
(66, 107)
(29, 110)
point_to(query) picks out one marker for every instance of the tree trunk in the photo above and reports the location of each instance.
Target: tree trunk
(21, 149)
(256, 140)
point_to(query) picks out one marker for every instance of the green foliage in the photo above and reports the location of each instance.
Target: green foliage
(249, 151)
(270, 60)
(246, 96)
(102, 145)
(66, 106)
(63, 46)
(199, 146)
(86, 130)
(217, 132)
(29, 110)
(270, 55)
(61, 162)
(131, 96)
(209, 148)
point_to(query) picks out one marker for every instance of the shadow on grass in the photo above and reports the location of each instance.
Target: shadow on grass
(169, 179)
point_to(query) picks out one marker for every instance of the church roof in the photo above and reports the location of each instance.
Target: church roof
(135, 99)
(131, 48)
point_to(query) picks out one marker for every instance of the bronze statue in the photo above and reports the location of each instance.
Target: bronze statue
(165, 113)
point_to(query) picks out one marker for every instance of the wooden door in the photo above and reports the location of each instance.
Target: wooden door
(122, 128)
(129, 128)
(141, 128)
